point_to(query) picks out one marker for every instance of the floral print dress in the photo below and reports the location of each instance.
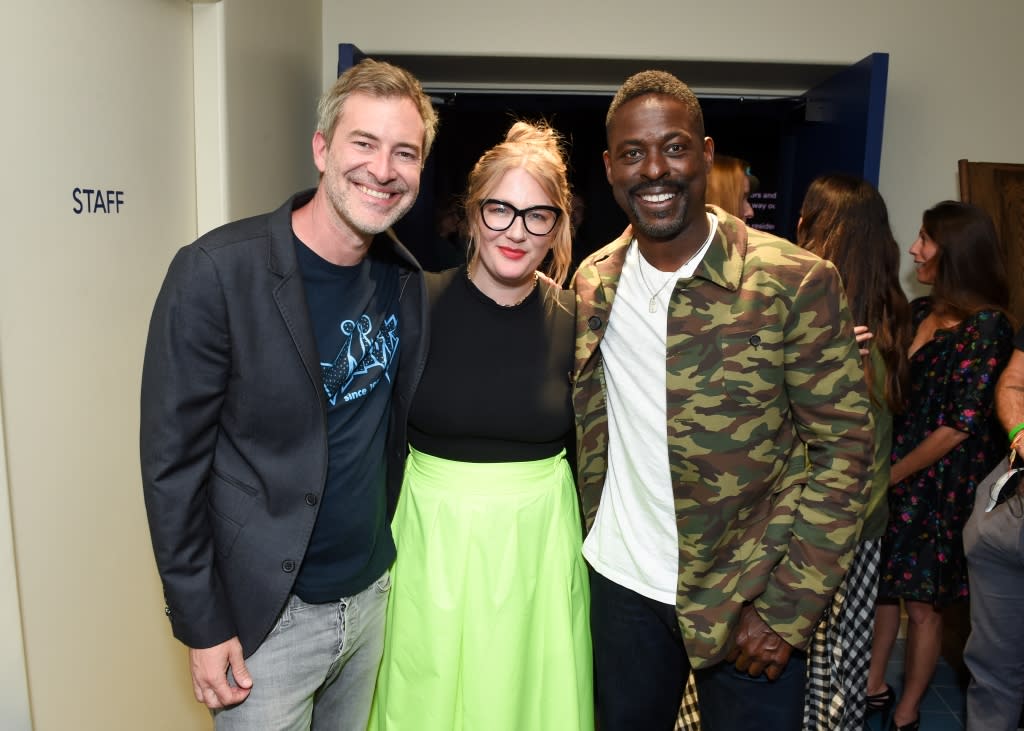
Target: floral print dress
(952, 383)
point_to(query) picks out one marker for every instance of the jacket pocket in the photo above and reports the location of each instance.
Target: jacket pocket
(752, 365)
(231, 502)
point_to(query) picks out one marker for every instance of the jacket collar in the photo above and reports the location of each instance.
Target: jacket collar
(722, 264)
(595, 284)
(724, 260)
(597, 280)
(282, 260)
(604, 270)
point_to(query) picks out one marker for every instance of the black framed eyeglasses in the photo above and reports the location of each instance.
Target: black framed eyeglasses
(538, 220)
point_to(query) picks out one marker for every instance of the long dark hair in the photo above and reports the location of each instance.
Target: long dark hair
(970, 274)
(844, 220)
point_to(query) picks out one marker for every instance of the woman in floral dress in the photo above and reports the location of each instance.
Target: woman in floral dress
(945, 441)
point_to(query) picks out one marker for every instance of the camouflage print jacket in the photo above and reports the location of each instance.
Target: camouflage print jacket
(769, 432)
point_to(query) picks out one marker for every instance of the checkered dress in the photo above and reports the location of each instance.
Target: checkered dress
(840, 651)
(689, 714)
(837, 658)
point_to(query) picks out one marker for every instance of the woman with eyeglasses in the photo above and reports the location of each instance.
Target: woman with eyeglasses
(488, 618)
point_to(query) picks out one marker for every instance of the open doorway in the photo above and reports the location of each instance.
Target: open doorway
(792, 122)
(470, 123)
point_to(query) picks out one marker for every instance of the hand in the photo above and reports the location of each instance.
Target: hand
(863, 335)
(756, 647)
(209, 674)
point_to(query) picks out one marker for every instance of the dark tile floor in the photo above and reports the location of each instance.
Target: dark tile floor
(943, 706)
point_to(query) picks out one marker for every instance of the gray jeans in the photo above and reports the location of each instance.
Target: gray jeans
(317, 667)
(994, 544)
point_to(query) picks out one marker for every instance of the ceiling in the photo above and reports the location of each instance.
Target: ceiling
(604, 75)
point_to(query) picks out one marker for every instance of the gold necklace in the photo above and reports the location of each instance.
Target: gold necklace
(521, 300)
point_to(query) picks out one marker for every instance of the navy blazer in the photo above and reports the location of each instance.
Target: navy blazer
(233, 425)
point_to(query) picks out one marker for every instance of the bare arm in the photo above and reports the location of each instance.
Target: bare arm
(1010, 395)
(985, 344)
(934, 447)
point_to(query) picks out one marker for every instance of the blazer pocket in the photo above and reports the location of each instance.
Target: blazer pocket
(230, 503)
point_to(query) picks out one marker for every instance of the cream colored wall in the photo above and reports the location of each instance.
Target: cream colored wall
(97, 95)
(952, 67)
(15, 714)
(100, 95)
(272, 82)
(257, 79)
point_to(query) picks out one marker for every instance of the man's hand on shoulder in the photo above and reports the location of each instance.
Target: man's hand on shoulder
(209, 674)
(756, 648)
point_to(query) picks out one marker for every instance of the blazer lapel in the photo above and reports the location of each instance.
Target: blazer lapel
(291, 301)
(289, 293)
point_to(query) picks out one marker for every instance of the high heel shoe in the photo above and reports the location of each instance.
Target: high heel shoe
(914, 725)
(881, 702)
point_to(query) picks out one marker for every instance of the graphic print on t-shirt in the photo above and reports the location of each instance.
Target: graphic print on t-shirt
(362, 359)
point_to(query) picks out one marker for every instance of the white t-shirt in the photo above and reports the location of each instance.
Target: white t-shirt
(634, 541)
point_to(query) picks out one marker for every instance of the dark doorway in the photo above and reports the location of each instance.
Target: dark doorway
(471, 123)
(833, 126)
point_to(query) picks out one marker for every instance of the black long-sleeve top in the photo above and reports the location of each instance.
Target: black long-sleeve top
(496, 384)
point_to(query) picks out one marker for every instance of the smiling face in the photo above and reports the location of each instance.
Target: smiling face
(505, 261)
(925, 252)
(657, 163)
(371, 170)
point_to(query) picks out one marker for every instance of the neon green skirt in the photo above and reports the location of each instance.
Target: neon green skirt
(488, 620)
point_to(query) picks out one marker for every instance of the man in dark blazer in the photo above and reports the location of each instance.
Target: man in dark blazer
(282, 356)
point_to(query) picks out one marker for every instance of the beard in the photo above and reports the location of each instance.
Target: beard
(361, 218)
(660, 225)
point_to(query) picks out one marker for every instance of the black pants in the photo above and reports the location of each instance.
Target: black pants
(640, 669)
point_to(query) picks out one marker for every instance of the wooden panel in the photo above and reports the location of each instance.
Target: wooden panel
(999, 189)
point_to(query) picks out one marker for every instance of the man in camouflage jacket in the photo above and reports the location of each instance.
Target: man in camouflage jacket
(768, 432)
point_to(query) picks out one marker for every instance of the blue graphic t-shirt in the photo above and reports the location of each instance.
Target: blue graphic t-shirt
(354, 311)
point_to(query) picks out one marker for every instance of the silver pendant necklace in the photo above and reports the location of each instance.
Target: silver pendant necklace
(652, 304)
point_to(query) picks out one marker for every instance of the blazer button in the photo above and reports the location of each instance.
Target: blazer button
(287, 565)
(594, 322)
(310, 499)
